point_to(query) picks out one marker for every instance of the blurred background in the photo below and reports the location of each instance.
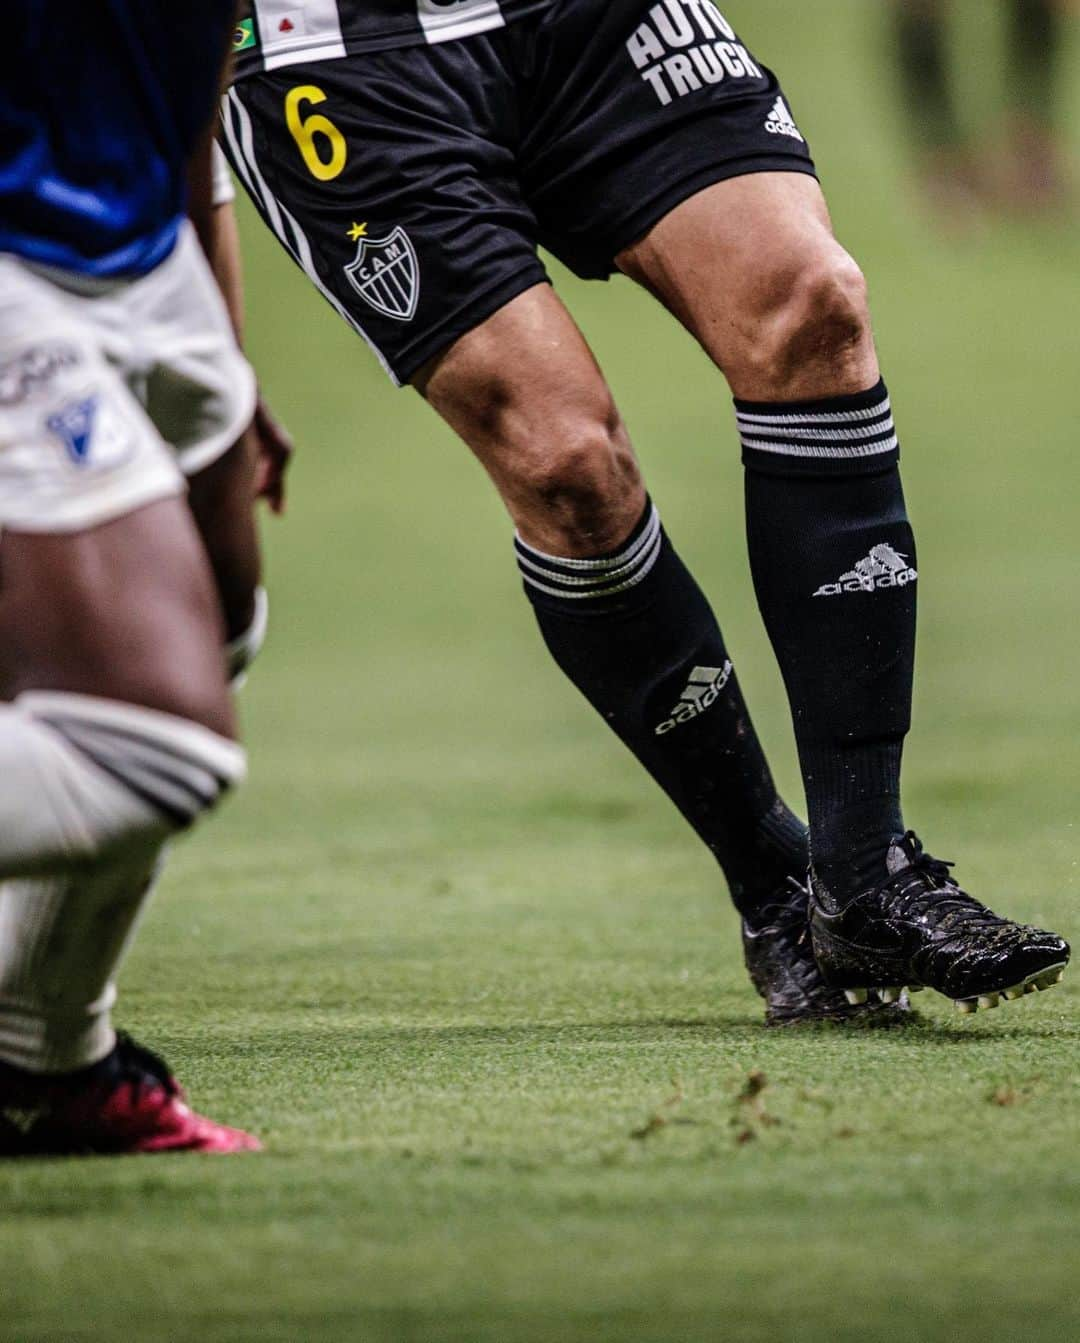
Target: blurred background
(1018, 160)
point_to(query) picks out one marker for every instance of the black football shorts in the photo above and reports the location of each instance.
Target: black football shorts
(414, 185)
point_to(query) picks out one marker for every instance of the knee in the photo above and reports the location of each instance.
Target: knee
(817, 335)
(550, 437)
(92, 777)
(577, 490)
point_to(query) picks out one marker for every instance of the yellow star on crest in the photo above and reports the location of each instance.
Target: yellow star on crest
(358, 231)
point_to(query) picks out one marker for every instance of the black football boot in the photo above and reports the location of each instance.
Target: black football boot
(780, 959)
(917, 928)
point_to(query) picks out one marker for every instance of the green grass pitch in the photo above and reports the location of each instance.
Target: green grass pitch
(473, 982)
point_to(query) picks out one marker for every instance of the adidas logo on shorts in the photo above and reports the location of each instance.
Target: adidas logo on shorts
(702, 690)
(780, 122)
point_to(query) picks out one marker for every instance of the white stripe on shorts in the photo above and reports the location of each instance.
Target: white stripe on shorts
(278, 216)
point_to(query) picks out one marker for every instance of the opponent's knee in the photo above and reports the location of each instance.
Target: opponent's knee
(578, 489)
(86, 776)
(820, 321)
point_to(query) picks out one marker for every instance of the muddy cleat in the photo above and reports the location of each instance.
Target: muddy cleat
(127, 1103)
(781, 963)
(919, 928)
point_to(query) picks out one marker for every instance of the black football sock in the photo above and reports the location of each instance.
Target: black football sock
(922, 49)
(833, 560)
(634, 633)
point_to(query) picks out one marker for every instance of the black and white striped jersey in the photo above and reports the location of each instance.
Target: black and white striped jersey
(273, 33)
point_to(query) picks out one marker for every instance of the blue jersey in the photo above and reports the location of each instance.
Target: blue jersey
(102, 103)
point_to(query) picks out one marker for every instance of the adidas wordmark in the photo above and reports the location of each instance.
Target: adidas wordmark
(702, 690)
(884, 567)
(781, 122)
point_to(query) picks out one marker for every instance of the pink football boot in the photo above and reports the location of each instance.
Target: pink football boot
(129, 1102)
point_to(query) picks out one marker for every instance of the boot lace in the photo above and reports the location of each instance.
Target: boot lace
(925, 889)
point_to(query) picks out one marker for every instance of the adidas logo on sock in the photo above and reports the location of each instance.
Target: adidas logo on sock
(884, 567)
(781, 122)
(702, 690)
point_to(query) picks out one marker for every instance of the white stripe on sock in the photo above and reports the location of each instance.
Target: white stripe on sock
(822, 449)
(641, 571)
(651, 526)
(832, 417)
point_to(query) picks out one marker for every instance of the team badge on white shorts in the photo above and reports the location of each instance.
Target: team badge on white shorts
(93, 434)
(385, 273)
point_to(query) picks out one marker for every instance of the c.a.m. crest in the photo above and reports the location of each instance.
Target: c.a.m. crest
(386, 275)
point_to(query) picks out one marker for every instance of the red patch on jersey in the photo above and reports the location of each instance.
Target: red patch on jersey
(285, 26)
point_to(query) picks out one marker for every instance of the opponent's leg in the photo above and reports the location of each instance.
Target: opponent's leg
(58, 955)
(62, 940)
(620, 613)
(98, 783)
(112, 653)
(118, 625)
(118, 733)
(751, 267)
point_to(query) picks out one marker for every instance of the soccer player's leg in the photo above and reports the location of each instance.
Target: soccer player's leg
(454, 300)
(683, 166)
(752, 268)
(623, 617)
(118, 731)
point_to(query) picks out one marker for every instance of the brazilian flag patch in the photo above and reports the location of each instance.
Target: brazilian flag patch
(244, 35)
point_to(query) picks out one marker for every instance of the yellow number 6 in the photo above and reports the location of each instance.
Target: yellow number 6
(304, 130)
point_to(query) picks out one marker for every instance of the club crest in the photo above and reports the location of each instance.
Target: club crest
(386, 275)
(94, 436)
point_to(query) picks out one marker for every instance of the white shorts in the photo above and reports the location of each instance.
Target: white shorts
(112, 391)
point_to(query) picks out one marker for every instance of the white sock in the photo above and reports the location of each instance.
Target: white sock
(81, 776)
(61, 941)
(89, 791)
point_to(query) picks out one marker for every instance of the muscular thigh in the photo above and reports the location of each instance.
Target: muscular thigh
(727, 258)
(125, 610)
(633, 107)
(752, 269)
